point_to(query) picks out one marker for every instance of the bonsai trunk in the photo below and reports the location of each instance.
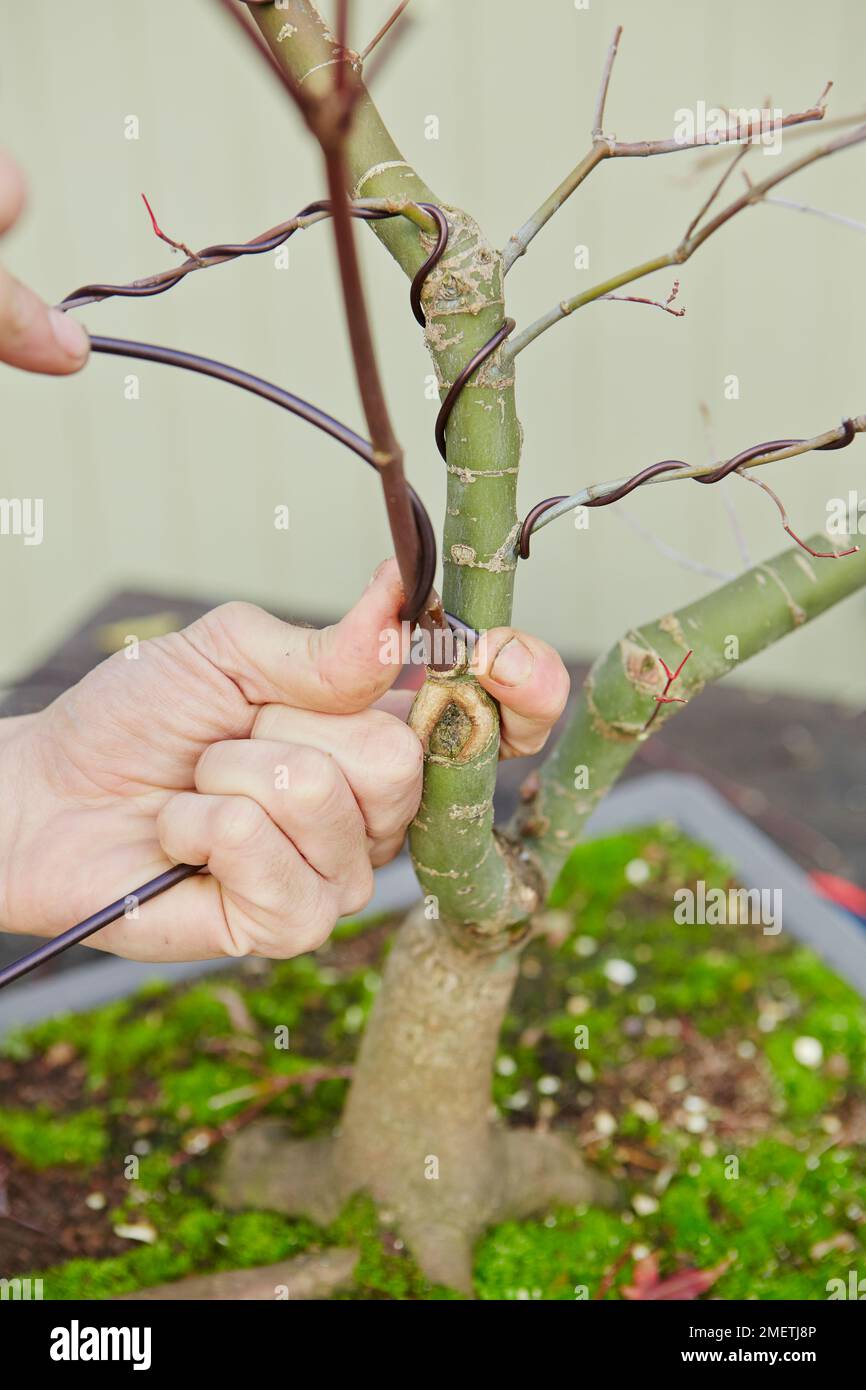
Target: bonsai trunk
(419, 1132)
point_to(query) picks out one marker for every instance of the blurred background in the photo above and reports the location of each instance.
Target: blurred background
(169, 485)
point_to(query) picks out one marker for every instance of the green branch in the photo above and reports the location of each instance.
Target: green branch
(607, 725)
(464, 307)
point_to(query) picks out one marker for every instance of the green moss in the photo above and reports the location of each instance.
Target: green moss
(44, 1140)
(778, 1195)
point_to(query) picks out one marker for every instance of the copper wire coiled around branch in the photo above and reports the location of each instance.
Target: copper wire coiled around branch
(223, 252)
(667, 465)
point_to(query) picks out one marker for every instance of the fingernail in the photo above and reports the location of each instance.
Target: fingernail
(69, 335)
(513, 664)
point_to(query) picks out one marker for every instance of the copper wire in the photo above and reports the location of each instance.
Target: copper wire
(731, 465)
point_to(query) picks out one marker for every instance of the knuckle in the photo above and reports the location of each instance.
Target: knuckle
(313, 778)
(395, 751)
(239, 820)
(320, 923)
(267, 721)
(210, 758)
(358, 892)
(16, 308)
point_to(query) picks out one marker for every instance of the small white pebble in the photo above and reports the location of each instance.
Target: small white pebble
(645, 1111)
(585, 946)
(141, 1231)
(548, 1085)
(644, 1204)
(645, 1003)
(605, 1123)
(620, 972)
(677, 1083)
(506, 1066)
(746, 1049)
(353, 1018)
(585, 1071)
(637, 871)
(96, 1201)
(696, 1124)
(808, 1052)
(694, 1104)
(518, 1101)
(640, 1252)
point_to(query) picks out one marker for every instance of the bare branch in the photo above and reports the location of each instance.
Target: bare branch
(608, 147)
(377, 37)
(828, 216)
(328, 114)
(786, 525)
(686, 247)
(595, 490)
(665, 304)
(705, 207)
(670, 552)
(598, 122)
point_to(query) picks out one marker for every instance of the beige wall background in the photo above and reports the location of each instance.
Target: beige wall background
(175, 491)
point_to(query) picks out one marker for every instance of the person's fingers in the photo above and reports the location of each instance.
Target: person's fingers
(380, 757)
(396, 702)
(307, 797)
(340, 669)
(13, 191)
(530, 682)
(261, 898)
(32, 336)
(36, 338)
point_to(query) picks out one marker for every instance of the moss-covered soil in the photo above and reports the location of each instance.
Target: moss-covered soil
(719, 1072)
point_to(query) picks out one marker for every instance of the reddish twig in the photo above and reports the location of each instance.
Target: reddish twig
(380, 34)
(804, 545)
(665, 698)
(653, 303)
(163, 236)
(275, 1086)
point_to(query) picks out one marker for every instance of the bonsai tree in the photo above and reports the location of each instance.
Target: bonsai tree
(417, 1132)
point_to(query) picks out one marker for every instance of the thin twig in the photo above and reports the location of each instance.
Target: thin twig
(786, 525)
(304, 102)
(377, 37)
(670, 552)
(685, 248)
(588, 494)
(828, 216)
(266, 1092)
(744, 150)
(221, 255)
(608, 147)
(665, 698)
(163, 236)
(598, 120)
(653, 303)
(328, 116)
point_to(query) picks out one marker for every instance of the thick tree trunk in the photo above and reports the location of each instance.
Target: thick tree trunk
(419, 1131)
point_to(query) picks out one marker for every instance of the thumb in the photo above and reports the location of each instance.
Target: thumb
(338, 670)
(530, 682)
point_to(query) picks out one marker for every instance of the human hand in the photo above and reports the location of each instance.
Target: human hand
(246, 744)
(32, 336)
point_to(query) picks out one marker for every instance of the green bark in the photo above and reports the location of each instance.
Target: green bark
(607, 725)
(456, 855)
